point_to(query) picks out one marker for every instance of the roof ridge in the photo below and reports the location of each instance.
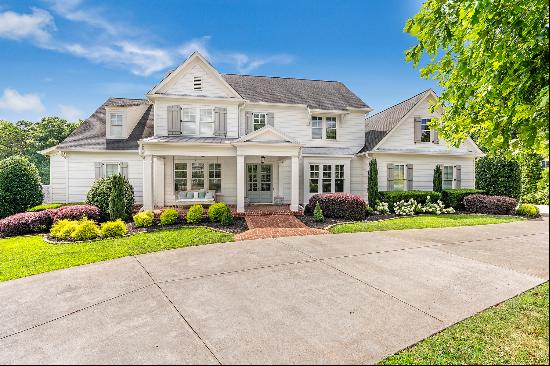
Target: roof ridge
(403, 101)
(281, 77)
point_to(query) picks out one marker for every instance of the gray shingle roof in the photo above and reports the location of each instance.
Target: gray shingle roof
(381, 123)
(329, 151)
(316, 94)
(91, 134)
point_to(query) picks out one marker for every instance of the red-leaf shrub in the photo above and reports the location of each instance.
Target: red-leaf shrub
(76, 212)
(340, 205)
(496, 205)
(26, 223)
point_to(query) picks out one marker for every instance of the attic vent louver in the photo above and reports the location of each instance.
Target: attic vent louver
(197, 83)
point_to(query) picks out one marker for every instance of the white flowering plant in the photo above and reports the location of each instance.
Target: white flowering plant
(406, 208)
(436, 208)
(381, 208)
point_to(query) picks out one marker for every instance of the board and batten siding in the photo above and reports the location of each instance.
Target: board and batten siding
(423, 168)
(80, 167)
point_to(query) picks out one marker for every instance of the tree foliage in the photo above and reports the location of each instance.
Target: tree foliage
(20, 187)
(117, 204)
(28, 138)
(438, 179)
(498, 176)
(491, 59)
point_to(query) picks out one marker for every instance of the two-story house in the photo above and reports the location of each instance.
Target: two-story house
(201, 136)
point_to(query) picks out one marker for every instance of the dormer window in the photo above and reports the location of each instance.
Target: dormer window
(116, 124)
(197, 83)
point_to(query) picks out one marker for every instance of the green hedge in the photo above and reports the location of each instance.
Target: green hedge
(498, 176)
(454, 197)
(392, 197)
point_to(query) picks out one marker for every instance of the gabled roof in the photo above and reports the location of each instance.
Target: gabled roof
(91, 134)
(381, 123)
(316, 94)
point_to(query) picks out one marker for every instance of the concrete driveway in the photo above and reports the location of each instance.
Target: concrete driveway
(350, 298)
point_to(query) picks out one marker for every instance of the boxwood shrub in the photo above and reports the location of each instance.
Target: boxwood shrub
(194, 215)
(169, 216)
(144, 219)
(454, 197)
(528, 210)
(217, 211)
(392, 197)
(339, 205)
(495, 205)
(113, 229)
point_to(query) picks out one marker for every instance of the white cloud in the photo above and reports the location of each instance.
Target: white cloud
(195, 45)
(246, 64)
(12, 100)
(69, 112)
(36, 26)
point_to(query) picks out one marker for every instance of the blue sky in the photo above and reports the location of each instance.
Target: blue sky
(65, 57)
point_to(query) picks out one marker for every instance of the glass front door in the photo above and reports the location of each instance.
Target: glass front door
(259, 183)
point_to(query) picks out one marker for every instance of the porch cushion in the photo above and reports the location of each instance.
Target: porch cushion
(190, 195)
(202, 194)
(209, 195)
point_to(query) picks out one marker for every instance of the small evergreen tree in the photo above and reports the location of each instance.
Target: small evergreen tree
(373, 183)
(318, 213)
(117, 206)
(438, 179)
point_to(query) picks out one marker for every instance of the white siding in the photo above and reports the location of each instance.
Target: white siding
(183, 85)
(81, 168)
(423, 168)
(356, 176)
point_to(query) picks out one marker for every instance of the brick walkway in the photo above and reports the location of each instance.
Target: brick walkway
(273, 226)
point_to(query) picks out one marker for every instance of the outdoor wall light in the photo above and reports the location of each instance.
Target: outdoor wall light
(262, 159)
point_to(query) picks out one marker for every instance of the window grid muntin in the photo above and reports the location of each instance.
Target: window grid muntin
(399, 177)
(259, 120)
(330, 128)
(215, 177)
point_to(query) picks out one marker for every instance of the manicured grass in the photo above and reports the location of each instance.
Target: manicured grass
(23, 256)
(514, 332)
(422, 222)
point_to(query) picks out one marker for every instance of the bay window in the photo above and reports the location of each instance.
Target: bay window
(326, 178)
(197, 176)
(339, 178)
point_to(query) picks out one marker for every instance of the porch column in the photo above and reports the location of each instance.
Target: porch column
(240, 183)
(148, 182)
(295, 184)
(158, 191)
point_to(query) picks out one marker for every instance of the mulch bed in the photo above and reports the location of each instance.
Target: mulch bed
(239, 225)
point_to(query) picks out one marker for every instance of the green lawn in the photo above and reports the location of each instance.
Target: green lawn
(422, 222)
(23, 256)
(514, 332)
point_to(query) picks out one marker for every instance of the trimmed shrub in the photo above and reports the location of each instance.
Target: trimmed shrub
(26, 223)
(318, 213)
(496, 205)
(392, 197)
(217, 210)
(340, 205)
(528, 210)
(373, 194)
(498, 176)
(169, 217)
(438, 179)
(194, 215)
(454, 197)
(75, 212)
(100, 194)
(227, 218)
(46, 206)
(113, 229)
(117, 209)
(20, 186)
(143, 219)
(63, 229)
(86, 230)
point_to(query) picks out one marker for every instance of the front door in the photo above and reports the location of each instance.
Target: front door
(259, 183)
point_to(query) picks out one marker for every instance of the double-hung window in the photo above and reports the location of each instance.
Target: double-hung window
(259, 120)
(339, 178)
(425, 132)
(206, 122)
(331, 128)
(116, 125)
(327, 178)
(316, 127)
(111, 169)
(180, 176)
(313, 178)
(197, 176)
(399, 177)
(215, 177)
(188, 121)
(448, 177)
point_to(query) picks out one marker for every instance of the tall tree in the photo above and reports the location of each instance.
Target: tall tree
(491, 59)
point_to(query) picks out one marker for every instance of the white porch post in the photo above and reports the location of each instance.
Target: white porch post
(158, 192)
(240, 183)
(148, 182)
(295, 184)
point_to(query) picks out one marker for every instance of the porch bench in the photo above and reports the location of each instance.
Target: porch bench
(194, 197)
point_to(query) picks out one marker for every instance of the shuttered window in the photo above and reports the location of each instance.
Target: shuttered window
(448, 177)
(259, 120)
(189, 121)
(425, 135)
(399, 177)
(112, 169)
(206, 125)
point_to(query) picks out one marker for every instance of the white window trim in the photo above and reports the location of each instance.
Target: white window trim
(123, 127)
(324, 125)
(197, 110)
(332, 176)
(453, 178)
(404, 176)
(189, 163)
(117, 163)
(254, 117)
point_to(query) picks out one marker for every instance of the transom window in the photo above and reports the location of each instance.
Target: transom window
(215, 177)
(426, 133)
(331, 128)
(399, 177)
(116, 124)
(197, 121)
(197, 176)
(316, 127)
(111, 169)
(259, 120)
(326, 178)
(448, 177)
